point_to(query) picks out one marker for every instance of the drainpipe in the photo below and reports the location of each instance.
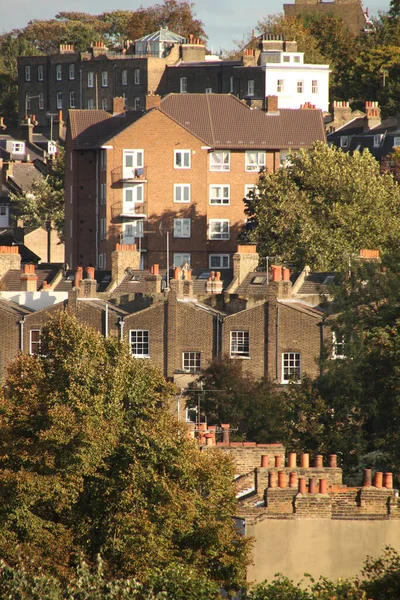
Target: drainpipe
(277, 344)
(106, 322)
(121, 324)
(21, 334)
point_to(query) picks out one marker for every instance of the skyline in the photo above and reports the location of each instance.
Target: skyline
(223, 21)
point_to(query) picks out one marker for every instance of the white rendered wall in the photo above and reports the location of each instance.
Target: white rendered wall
(292, 73)
(35, 300)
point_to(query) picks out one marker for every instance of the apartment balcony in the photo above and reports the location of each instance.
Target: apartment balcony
(128, 210)
(129, 175)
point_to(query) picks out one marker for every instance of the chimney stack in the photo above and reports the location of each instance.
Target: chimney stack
(9, 259)
(29, 279)
(272, 104)
(124, 256)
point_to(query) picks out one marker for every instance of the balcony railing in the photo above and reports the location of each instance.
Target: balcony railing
(133, 210)
(129, 174)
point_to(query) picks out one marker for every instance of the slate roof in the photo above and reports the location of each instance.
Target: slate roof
(361, 140)
(254, 284)
(219, 120)
(103, 279)
(317, 283)
(312, 311)
(11, 280)
(24, 175)
(14, 309)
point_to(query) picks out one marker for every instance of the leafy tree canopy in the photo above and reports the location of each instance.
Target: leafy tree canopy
(322, 207)
(93, 462)
(44, 202)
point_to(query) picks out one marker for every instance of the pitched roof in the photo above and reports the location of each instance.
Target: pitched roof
(224, 121)
(91, 128)
(219, 120)
(162, 35)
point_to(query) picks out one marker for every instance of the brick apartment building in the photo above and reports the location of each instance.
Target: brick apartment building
(180, 170)
(90, 80)
(162, 63)
(267, 321)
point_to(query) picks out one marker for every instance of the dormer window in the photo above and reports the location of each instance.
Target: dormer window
(378, 140)
(344, 141)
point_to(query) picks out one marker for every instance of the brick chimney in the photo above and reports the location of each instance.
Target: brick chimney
(29, 279)
(118, 105)
(341, 112)
(152, 101)
(154, 280)
(9, 259)
(249, 57)
(124, 256)
(245, 260)
(272, 104)
(181, 283)
(214, 284)
(372, 115)
(88, 285)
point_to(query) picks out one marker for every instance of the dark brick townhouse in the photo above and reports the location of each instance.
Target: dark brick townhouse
(270, 322)
(179, 169)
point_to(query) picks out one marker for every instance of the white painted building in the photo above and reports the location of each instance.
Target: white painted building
(293, 81)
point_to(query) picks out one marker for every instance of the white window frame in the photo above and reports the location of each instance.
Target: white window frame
(314, 86)
(27, 72)
(191, 361)
(18, 147)
(104, 104)
(35, 343)
(104, 79)
(181, 258)
(59, 101)
(222, 165)
(139, 343)
(338, 344)
(103, 160)
(280, 86)
(131, 193)
(286, 58)
(3, 210)
(396, 141)
(250, 87)
(209, 90)
(220, 194)
(137, 161)
(250, 187)
(133, 230)
(182, 193)
(183, 85)
(103, 193)
(90, 104)
(58, 72)
(72, 99)
(260, 160)
(136, 76)
(182, 228)
(90, 79)
(291, 365)
(182, 159)
(300, 87)
(28, 102)
(40, 73)
(296, 59)
(71, 71)
(136, 103)
(221, 261)
(221, 229)
(100, 261)
(124, 77)
(41, 101)
(239, 344)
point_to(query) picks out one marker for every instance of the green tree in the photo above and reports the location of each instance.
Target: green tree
(93, 462)
(253, 408)
(322, 207)
(44, 202)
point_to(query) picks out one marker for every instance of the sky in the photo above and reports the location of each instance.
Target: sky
(225, 20)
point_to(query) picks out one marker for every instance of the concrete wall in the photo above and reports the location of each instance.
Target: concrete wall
(317, 546)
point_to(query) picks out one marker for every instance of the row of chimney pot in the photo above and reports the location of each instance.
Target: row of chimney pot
(280, 480)
(178, 272)
(207, 435)
(381, 480)
(89, 272)
(304, 461)
(280, 273)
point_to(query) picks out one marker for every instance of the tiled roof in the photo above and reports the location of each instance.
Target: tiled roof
(103, 279)
(91, 128)
(13, 308)
(254, 284)
(317, 283)
(303, 307)
(223, 121)
(11, 280)
(219, 120)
